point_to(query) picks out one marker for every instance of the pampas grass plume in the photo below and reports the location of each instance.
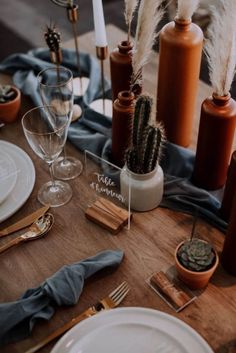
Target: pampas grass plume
(186, 9)
(149, 15)
(130, 6)
(220, 48)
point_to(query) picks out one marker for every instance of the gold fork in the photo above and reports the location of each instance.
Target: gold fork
(109, 302)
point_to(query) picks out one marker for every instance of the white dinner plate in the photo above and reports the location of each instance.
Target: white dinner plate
(24, 182)
(8, 175)
(132, 330)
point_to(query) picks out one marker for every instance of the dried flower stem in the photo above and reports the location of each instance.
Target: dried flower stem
(186, 9)
(220, 48)
(149, 15)
(130, 6)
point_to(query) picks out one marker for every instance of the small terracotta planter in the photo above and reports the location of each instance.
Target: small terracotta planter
(9, 110)
(194, 279)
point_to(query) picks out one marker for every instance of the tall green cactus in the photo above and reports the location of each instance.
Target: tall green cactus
(145, 151)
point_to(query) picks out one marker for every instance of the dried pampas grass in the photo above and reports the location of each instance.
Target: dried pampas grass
(130, 6)
(186, 9)
(149, 15)
(220, 48)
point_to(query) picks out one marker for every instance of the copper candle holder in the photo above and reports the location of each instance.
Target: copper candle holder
(102, 53)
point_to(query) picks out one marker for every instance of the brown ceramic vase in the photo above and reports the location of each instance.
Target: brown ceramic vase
(122, 125)
(9, 110)
(121, 68)
(179, 66)
(228, 256)
(230, 189)
(215, 139)
(193, 279)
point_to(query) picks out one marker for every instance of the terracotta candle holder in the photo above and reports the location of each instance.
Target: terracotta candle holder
(230, 189)
(215, 139)
(228, 258)
(122, 125)
(179, 66)
(121, 68)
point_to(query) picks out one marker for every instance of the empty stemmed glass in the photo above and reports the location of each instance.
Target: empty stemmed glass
(45, 129)
(56, 89)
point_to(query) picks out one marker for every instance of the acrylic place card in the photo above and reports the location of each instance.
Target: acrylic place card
(105, 205)
(171, 290)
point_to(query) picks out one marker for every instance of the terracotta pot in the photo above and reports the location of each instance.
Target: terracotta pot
(228, 257)
(146, 189)
(179, 66)
(194, 280)
(215, 140)
(9, 110)
(122, 125)
(230, 189)
(121, 68)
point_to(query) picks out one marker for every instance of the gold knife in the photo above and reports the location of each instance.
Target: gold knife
(25, 222)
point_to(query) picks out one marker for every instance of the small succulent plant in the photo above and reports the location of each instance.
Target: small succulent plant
(143, 156)
(6, 93)
(196, 255)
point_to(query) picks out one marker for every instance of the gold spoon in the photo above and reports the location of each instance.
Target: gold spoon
(39, 228)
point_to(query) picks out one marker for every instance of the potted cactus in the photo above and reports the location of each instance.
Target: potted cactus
(10, 100)
(142, 171)
(195, 262)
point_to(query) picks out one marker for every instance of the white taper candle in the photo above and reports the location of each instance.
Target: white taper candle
(99, 24)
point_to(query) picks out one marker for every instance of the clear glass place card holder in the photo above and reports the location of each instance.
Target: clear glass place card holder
(103, 183)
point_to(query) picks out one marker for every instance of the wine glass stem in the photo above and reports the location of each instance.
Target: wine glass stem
(64, 152)
(51, 174)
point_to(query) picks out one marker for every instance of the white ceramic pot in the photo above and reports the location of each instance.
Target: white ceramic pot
(146, 189)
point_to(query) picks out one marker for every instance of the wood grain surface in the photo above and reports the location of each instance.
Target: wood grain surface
(148, 246)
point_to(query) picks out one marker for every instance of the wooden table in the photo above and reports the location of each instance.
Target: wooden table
(148, 247)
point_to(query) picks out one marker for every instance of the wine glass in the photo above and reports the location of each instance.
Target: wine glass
(56, 89)
(45, 129)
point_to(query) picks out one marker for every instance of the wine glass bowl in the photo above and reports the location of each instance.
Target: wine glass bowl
(45, 129)
(56, 90)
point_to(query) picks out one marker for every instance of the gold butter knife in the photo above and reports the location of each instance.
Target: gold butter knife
(25, 222)
(109, 302)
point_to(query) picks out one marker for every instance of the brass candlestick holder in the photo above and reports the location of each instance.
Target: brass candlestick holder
(102, 53)
(103, 106)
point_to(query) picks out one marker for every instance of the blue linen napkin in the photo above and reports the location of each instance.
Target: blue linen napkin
(93, 132)
(18, 318)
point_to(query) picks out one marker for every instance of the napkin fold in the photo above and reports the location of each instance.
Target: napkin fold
(18, 318)
(93, 132)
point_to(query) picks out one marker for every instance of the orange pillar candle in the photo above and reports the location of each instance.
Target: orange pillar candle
(122, 125)
(215, 139)
(179, 66)
(121, 68)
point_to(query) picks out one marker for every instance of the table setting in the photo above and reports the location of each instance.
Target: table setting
(80, 276)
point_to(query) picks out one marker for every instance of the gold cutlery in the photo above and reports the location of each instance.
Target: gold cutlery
(109, 302)
(36, 230)
(25, 222)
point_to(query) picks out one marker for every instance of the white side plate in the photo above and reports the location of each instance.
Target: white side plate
(24, 182)
(8, 175)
